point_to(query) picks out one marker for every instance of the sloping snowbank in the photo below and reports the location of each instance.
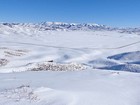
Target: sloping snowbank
(87, 87)
(124, 67)
(127, 56)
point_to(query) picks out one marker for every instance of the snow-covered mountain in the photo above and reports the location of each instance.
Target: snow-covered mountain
(60, 26)
(56, 26)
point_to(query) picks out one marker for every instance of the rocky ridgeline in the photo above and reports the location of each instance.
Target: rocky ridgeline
(59, 26)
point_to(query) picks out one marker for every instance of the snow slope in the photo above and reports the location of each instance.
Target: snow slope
(91, 87)
(67, 66)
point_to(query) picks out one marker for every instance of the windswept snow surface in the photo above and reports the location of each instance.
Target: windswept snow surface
(68, 67)
(90, 87)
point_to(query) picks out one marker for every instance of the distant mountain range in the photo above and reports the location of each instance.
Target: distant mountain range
(59, 26)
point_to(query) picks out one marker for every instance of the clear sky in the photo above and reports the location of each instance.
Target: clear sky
(122, 13)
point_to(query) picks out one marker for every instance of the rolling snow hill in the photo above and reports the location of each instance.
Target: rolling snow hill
(53, 63)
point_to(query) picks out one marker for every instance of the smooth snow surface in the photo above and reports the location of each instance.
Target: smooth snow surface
(50, 67)
(90, 87)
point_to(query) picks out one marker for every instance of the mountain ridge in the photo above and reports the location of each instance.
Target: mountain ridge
(62, 26)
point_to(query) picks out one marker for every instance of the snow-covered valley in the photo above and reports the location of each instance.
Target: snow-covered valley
(59, 64)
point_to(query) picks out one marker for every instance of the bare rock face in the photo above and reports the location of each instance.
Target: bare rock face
(58, 67)
(3, 62)
(13, 53)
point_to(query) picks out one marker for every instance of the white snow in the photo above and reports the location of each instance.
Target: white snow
(51, 67)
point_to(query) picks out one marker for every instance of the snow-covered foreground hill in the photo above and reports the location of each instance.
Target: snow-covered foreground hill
(68, 67)
(89, 87)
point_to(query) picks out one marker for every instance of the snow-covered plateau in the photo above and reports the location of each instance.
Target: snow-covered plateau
(53, 63)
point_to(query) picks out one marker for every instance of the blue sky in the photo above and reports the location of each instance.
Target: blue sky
(120, 13)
